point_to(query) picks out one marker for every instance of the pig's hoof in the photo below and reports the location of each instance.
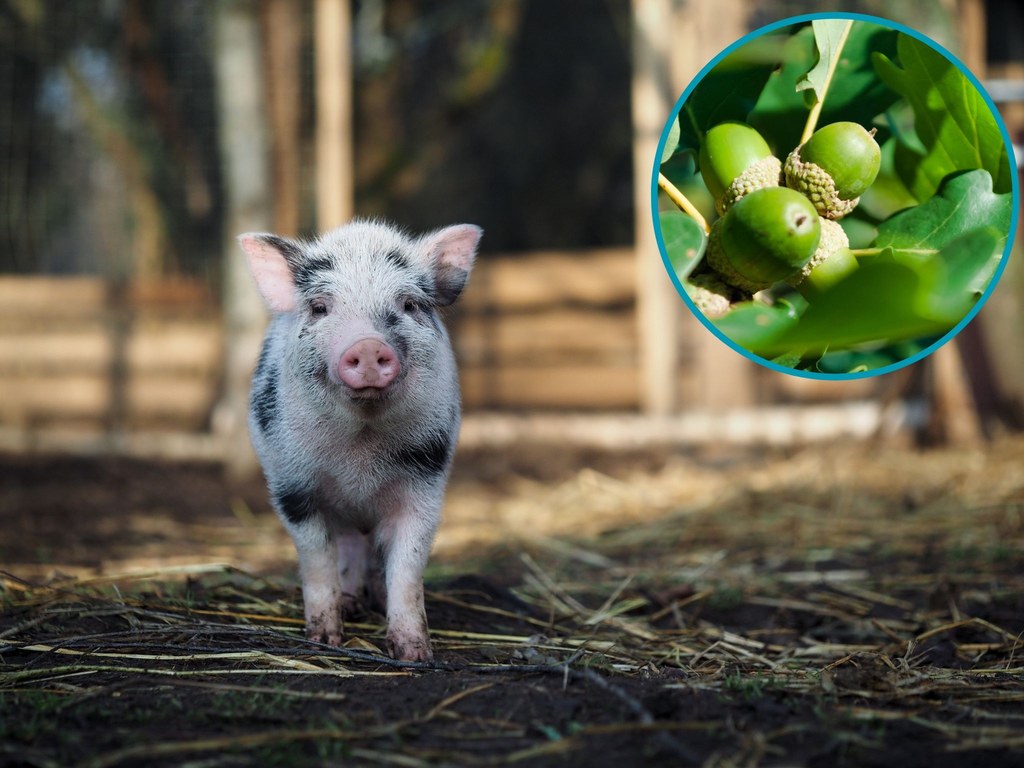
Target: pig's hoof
(329, 638)
(409, 648)
(324, 632)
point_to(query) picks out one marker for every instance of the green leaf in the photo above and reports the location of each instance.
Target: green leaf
(729, 90)
(754, 325)
(671, 142)
(964, 202)
(963, 270)
(829, 37)
(856, 94)
(879, 303)
(951, 119)
(788, 359)
(684, 241)
(847, 361)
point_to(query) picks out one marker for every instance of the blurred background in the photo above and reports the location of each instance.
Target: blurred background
(137, 138)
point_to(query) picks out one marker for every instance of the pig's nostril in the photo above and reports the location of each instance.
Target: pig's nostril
(369, 363)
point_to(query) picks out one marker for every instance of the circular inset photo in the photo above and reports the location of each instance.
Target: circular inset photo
(834, 196)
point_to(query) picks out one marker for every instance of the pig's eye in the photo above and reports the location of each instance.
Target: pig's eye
(318, 308)
(409, 306)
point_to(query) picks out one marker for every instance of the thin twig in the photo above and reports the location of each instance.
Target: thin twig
(682, 202)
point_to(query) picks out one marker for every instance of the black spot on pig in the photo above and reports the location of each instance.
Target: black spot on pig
(390, 320)
(427, 288)
(297, 506)
(397, 259)
(264, 395)
(311, 271)
(427, 459)
(264, 400)
(289, 249)
(450, 282)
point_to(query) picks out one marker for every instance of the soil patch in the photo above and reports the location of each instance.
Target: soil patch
(836, 607)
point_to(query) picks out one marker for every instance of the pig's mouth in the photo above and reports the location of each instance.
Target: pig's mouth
(369, 394)
(372, 395)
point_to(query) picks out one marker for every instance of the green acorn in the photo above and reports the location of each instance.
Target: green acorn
(734, 161)
(828, 273)
(833, 237)
(765, 237)
(834, 167)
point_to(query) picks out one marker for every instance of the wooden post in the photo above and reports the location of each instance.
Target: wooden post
(972, 35)
(961, 368)
(245, 150)
(658, 306)
(282, 33)
(672, 43)
(335, 177)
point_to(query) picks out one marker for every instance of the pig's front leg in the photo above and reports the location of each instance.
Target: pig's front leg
(405, 540)
(318, 565)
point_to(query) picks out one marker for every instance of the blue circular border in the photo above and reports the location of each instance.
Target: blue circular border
(1009, 237)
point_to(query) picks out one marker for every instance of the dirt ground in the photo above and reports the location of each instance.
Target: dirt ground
(844, 605)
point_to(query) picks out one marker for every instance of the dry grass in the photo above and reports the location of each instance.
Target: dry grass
(849, 607)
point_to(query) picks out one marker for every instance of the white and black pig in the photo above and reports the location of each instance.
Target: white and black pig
(355, 411)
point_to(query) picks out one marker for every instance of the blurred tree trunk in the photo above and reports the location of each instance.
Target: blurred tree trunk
(149, 242)
(158, 93)
(282, 34)
(244, 152)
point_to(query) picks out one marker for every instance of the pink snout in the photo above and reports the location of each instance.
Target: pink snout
(369, 363)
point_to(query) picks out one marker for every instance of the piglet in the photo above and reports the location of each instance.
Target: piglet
(355, 410)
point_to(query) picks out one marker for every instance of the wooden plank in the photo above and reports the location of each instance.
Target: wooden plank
(546, 279)
(172, 345)
(25, 399)
(40, 398)
(552, 336)
(87, 348)
(575, 387)
(176, 345)
(52, 296)
(182, 397)
(179, 294)
(48, 298)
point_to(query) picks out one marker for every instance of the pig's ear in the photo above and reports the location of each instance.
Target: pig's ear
(271, 259)
(451, 252)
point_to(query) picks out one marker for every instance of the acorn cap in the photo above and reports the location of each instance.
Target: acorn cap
(710, 295)
(765, 237)
(766, 172)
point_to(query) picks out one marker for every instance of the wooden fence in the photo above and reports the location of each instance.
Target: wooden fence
(551, 331)
(85, 352)
(547, 330)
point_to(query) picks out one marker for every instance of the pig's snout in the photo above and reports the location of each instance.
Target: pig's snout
(369, 363)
